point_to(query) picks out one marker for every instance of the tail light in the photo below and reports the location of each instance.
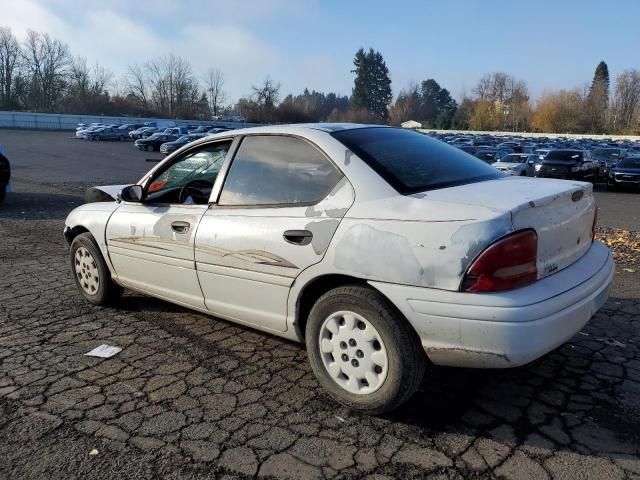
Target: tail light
(508, 263)
(595, 225)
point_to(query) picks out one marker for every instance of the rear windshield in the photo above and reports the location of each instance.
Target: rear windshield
(412, 162)
(564, 156)
(610, 153)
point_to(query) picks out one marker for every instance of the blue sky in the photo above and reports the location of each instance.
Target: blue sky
(549, 44)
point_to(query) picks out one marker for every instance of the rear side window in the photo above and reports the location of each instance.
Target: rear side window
(412, 162)
(278, 170)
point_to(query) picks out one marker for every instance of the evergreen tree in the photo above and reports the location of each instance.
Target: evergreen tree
(598, 99)
(437, 107)
(372, 85)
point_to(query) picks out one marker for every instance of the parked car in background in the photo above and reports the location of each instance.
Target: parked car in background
(130, 127)
(201, 129)
(626, 173)
(410, 251)
(513, 164)
(542, 152)
(86, 132)
(215, 130)
(569, 164)
(151, 131)
(176, 131)
(607, 158)
(107, 133)
(153, 142)
(167, 148)
(5, 174)
(135, 134)
(490, 155)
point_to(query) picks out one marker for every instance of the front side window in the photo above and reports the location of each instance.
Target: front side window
(197, 169)
(278, 170)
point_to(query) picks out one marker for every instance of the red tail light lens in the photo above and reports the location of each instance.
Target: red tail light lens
(509, 263)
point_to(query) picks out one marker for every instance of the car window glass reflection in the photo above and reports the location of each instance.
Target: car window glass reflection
(273, 170)
(200, 167)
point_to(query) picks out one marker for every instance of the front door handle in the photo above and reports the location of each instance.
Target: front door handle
(180, 227)
(298, 237)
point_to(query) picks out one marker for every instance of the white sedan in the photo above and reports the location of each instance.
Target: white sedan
(383, 249)
(513, 164)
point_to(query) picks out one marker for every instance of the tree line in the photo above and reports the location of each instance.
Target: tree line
(40, 74)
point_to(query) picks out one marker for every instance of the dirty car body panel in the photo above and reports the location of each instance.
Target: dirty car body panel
(275, 222)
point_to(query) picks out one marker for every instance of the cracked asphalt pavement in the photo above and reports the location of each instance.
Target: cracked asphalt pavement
(191, 396)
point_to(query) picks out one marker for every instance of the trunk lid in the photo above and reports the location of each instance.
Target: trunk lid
(560, 211)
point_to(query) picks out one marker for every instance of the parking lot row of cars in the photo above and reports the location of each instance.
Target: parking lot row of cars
(153, 136)
(617, 163)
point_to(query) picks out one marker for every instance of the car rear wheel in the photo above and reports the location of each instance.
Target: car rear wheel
(90, 272)
(364, 354)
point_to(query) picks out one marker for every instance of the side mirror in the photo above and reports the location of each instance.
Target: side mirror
(132, 193)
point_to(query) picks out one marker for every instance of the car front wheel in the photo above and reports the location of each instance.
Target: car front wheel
(149, 148)
(364, 354)
(90, 272)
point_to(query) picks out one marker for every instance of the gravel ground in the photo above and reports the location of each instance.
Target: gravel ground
(196, 397)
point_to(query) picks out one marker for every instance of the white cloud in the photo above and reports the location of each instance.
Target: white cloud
(221, 34)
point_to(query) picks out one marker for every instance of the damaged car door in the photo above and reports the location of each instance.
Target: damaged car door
(277, 211)
(151, 242)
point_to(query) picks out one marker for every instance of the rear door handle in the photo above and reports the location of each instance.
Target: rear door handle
(298, 237)
(180, 227)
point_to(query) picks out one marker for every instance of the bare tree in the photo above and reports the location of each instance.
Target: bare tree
(136, 83)
(268, 94)
(214, 82)
(9, 55)
(46, 61)
(173, 86)
(86, 90)
(504, 102)
(627, 99)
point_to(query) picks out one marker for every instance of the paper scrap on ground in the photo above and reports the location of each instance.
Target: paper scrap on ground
(104, 351)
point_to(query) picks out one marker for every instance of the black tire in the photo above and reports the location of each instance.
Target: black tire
(611, 187)
(406, 359)
(150, 148)
(3, 192)
(107, 290)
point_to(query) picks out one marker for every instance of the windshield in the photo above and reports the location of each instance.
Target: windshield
(608, 153)
(154, 136)
(564, 156)
(412, 162)
(629, 163)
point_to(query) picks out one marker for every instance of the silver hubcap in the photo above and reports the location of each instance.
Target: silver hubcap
(353, 352)
(87, 271)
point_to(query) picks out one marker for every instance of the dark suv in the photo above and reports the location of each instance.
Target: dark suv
(5, 174)
(569, 164)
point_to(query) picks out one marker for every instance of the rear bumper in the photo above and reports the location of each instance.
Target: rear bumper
(506, 329)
